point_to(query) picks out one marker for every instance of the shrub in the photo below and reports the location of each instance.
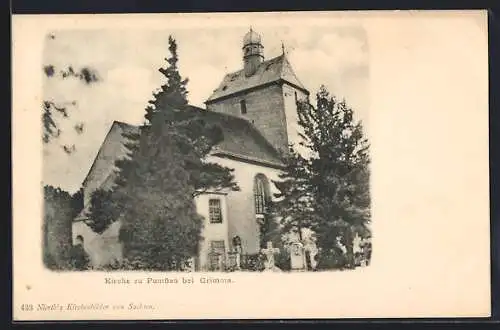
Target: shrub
(328, 260)
(252, 262)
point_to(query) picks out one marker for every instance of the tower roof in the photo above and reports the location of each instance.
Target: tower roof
(274, 70)
(252, 37)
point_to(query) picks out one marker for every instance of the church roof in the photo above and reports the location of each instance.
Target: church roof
(241, 141)
(270, 71)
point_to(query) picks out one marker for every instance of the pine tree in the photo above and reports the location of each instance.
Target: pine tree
(173, 94)
(327, 190)
(160, 226)
(164, 170)
(294, 205)
(192, 133)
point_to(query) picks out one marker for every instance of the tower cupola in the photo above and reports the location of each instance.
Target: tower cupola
(253, 52)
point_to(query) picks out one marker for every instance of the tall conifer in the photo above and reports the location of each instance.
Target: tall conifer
(166, 167)
(327, 189)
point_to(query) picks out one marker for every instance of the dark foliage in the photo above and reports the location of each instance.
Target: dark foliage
(327, 190)
(252, 262)
(164, 170)
(103, 210)
(59, 210)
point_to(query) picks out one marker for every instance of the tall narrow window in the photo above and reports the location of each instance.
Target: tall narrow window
(214, 211)
(243, 107)
(261, 194)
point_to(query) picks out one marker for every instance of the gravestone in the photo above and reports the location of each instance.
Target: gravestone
(269, 252)
(297, 257)
(234, 257)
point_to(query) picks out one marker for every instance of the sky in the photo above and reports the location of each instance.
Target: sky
(127, 63)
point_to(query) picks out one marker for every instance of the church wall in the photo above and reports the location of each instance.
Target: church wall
(264, 110)
(238, 212)
(290, 94)
(211, 231)
(112, 148)
(103, 248)
(292, 120)
(240, 204)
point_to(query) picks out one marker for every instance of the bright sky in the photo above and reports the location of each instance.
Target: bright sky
(128, 60)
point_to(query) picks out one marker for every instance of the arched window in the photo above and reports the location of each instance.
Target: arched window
(261, 193)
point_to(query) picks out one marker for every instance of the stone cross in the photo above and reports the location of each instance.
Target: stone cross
(269, 252)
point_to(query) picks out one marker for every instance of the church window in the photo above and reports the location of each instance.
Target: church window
(261, 194)
(214, 211)
(217, 247)
(243, 107)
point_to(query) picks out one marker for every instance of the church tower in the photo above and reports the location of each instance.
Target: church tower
(262, 92)
(253, 52)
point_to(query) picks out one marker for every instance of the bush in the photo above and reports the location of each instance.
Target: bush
(103, 210)
(252, 262)
(328, 260)
(256, 262)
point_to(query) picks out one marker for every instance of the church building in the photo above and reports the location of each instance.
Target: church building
(256, 109)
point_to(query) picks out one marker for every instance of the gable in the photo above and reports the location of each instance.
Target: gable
(275, 70)
(103, 167)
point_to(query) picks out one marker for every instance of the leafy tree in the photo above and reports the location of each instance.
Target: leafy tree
(103, 210)
(164, 170)
(327, 190)
(77, 202)
(53, 111)
(59, 210)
